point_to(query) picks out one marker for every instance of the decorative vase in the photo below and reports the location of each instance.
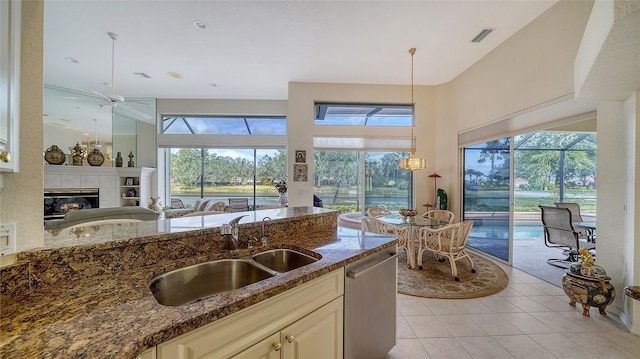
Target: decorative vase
(77, 154)
(154, 204)
(95, 157)
(119, 160)
(54, 155)
(588, 290)
(283, 199)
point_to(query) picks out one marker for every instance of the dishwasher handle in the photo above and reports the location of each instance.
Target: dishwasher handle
(355, 274)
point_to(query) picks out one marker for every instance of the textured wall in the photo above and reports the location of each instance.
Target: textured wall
(21, 198)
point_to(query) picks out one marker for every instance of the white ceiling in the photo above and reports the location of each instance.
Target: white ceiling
(253, 49)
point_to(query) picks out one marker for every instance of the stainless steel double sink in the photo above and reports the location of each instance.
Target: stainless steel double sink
(196, 282)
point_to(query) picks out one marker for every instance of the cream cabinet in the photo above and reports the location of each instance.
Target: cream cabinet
(10, 12)
(304, 322)
(316, 336)
(148, 354)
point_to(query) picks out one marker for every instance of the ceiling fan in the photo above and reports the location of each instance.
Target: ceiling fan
(112, 98)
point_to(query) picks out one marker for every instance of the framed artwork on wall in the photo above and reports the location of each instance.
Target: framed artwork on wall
(300, 172)
(301, 156)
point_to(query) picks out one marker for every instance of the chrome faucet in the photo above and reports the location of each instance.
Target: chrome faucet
(264, 237)
(233, 229)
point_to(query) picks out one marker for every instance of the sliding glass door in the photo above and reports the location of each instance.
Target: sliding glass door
(487, 196)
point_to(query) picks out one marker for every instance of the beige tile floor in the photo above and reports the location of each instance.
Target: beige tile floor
(531, 318)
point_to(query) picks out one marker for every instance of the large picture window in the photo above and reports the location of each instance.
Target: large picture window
(221, 174)
(353, 181)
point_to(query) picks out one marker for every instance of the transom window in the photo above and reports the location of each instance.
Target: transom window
(227, 125)
(328, 114)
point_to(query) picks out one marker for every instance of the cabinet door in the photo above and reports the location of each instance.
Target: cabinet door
(269, 348)
(148, 354)
(319, 335)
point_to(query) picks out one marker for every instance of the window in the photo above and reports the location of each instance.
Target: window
(363, 115)
(221, 174)
(353, 181)
(209, 125)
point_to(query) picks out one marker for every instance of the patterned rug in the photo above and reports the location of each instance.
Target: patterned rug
(435, 280)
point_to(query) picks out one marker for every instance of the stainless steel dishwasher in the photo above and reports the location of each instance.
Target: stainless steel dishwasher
(370, 306)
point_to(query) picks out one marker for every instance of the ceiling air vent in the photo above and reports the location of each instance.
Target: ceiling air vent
(482, 35)
(142, 75)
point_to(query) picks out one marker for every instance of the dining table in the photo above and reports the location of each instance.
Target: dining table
(415, 223)
(589, 227)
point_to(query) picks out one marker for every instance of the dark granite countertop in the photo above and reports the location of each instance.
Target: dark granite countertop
(114, 315)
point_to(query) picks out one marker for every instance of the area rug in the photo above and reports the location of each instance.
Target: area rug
(435, 280)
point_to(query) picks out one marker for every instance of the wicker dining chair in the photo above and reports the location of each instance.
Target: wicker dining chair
(440, 214)
(446, 242)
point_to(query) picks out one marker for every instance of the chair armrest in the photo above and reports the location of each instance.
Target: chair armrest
(177, 212)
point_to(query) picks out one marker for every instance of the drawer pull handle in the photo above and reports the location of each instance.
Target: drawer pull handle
(276, 346)
(290, 338)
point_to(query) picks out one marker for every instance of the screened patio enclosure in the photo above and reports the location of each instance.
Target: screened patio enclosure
(505, 181)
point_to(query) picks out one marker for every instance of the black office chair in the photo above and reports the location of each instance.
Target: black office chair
(559, 233)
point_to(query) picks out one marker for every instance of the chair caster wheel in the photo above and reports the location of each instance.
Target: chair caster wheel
(441, 260)
(457, 279)
(473, 270)
(420, 267)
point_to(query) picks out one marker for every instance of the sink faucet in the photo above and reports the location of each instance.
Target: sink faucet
(232, 229)
(264, 237)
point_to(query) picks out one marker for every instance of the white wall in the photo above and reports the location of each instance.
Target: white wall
(300, 115)
(630, 245)
(533, 67)
(21, 199)
(615, 138)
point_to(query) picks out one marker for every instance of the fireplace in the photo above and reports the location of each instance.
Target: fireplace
(58, 201)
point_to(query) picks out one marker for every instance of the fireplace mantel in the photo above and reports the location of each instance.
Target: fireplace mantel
(106, 179)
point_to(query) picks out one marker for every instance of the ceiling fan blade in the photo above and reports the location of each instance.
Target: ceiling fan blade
(126, 106)
(102, 96)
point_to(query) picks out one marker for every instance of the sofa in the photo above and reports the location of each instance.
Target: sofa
(201, 207)
(102, 216)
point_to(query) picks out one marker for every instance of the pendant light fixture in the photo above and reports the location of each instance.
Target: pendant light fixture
(412, 163)
(96, 144)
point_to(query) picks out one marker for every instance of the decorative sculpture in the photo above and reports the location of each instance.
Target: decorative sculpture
(131, 164)
(119, 160)
(77, 154)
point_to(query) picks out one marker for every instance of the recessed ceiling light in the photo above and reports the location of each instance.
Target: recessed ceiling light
(175, 75)
(71, 60)
(200, 25)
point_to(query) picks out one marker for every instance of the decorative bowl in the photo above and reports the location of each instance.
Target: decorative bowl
(408, 212)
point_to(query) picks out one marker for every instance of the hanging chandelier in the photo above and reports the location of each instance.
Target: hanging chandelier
(412, 163)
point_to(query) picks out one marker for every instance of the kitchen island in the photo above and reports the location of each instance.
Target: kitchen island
(85, 294)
